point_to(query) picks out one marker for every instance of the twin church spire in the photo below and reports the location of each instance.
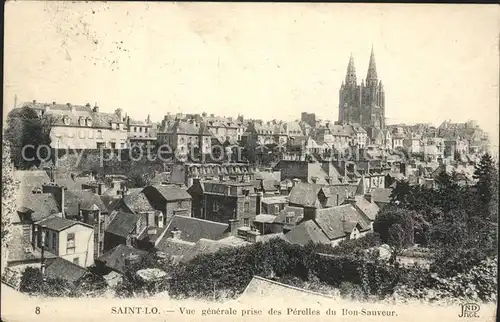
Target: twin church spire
(364, 103)
(371, 76)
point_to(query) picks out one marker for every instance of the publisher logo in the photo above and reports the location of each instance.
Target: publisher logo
(469, 310)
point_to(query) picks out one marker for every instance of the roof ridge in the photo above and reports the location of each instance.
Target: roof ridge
(288, 286)
(199, 219)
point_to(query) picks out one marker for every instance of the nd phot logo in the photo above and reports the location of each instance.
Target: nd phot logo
(469, 310)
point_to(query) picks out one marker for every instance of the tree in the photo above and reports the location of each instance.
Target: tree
(25, 128)
(486, 185)
(392, 215)
(9, 189)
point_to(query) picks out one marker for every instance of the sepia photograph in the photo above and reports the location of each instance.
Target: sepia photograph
(198, 161)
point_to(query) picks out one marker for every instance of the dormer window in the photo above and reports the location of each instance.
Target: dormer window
(81, 121)
(89, 121)
(66, 120)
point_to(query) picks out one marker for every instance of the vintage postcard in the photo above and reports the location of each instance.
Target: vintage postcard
(249, 162)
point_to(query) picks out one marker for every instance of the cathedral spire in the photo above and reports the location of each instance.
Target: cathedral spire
(350, 77)
(371, 76)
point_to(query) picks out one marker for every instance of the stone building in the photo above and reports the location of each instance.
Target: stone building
(362, 103)
(223, 201)
(83, 127)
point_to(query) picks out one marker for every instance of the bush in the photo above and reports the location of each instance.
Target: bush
(450, 262)
(351, 291)
(478, 284)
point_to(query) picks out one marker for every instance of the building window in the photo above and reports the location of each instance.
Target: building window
(215, 206)
(70, 244)
(113, 145)
(53, 240)
(288, 219)
(145, 130)
(246, 206)
(246, 222)
(76, 261)
(140, 129)
(135, 129)
(46, 243)
(122, 145)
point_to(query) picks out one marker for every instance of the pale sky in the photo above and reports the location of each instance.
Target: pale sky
(265, 61)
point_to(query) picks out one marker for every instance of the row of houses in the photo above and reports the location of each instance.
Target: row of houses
(88, 223)
(86, 127)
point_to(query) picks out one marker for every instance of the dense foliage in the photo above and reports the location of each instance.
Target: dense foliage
(26, 129)
(9, 188)
(458, 222)
(33, 282)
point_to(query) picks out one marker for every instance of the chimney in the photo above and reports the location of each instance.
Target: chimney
(96, 108)
(34, 101)
(295, 182)
(176, 234)
(233, 226)
(100, 189)
(338, 199)
(71, 107)
(314, 179)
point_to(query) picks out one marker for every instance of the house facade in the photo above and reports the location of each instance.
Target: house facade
(68, 239)
(222, 201)
(83, 127)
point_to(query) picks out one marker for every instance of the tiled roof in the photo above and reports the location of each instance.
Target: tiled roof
(370, 209)
(171, 192)
(203, 246)
(66, 270)
(110, 202)
(137, 202)
(81, 199)
(306, 194)
(115, 258)
(184, 127)
(122, 224)
(381, 195)
(297, 212)
(72, 184)
(264, 288)
(42, 205)
(193, 229)
(306, 232)
(270, 185)
(75, 112)
(174, 247)
(29, 180)
(331, 220)
(59, 224)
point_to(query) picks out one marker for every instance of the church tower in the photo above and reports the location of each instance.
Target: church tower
(364, 103)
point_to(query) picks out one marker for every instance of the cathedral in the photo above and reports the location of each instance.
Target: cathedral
(362, 103)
